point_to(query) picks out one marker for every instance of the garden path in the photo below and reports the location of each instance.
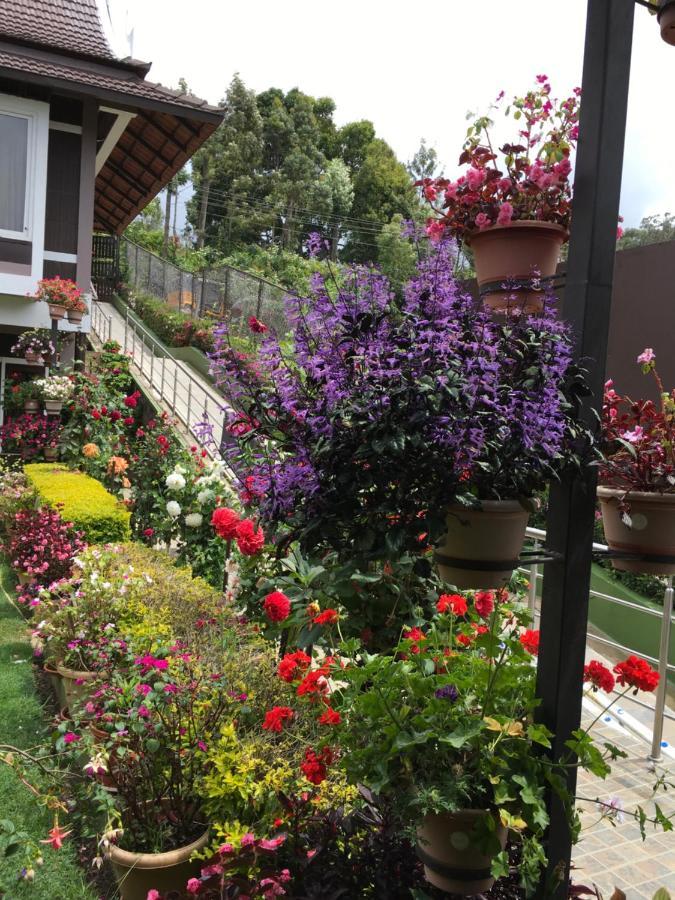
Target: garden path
(171, 384)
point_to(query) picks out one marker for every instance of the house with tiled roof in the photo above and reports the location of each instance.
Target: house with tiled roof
(86, 141)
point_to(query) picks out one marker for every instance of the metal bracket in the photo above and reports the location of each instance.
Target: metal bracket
(636, 557)
(526, 558)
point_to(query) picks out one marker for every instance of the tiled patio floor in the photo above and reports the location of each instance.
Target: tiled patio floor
(614, 855)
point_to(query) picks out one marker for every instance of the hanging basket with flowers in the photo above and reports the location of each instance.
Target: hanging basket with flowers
(637, 477)
(511, 206)
(62, 295)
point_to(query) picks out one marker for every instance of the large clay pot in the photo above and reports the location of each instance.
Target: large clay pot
(451, 861)
(651, 532)
(666, 20)
(56, 311)
(515, 253)
(56, 684)
(138, 873)
(53, 407)
(31, 406)
(75, 684)
(75, 316)
(492, 537)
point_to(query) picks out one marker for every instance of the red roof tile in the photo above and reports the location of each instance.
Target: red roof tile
(71, 26)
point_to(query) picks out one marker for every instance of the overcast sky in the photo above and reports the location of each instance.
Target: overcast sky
(413, 68)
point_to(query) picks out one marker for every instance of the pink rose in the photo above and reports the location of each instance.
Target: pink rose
(482, 221)
(505, 214)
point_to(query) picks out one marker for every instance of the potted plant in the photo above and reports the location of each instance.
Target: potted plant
(34, 345)
(31, 396)
(637, 477)
(161, 713)
(55, 390)
(60, 294)
(511, 206)
(76, 309)
(393, 424)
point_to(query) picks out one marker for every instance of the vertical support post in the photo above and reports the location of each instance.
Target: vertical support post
(587, 302)
(136, 268)
(189, 403)
(54, 359)
(126, 330)
(532, 590)
(180, 291)
(662, 689)
(161, 387)
(258, 309)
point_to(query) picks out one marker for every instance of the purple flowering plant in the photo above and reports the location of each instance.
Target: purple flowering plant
(378, 410)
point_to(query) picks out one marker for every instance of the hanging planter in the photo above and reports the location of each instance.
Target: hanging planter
(138, 873)
(75, 316)
(517, 254)
(451, 862)
(481, 547)
(651, 531)
(53, 407)
(76, 685)
(666, 19)
(31, 406)
(56, 311)
(35, 359)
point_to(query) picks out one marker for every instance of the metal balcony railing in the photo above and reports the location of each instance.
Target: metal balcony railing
(662, 661)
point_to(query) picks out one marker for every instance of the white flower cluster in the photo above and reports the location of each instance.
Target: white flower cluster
(173, 509)
(57, 387)
(233, 580)
(175, 481)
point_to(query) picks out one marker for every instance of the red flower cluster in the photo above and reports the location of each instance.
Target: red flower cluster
(225, 522)
(293, 665)
(530, 641)
(132, 400)
(314, 767)
(249, 539)
(484, 601)
(330, 717)
(327, 617)
(277, 606)
(417, 636)
(275, 718)
(599, 676)
(315, 683)
(453, 603)
(636, 673)
(256, 326)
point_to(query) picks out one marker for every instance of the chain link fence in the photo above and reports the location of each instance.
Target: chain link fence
(222, 293)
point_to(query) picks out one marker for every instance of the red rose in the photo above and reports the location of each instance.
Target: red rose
(225, 522)
(131, 401)
(277, 606)
(129, 420)
(115, 415)
(636, 673)
(599, 676)
(249, 539)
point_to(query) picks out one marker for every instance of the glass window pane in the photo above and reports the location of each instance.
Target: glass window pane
(13, 162)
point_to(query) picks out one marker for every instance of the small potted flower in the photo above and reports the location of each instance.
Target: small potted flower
(56, 390)
(512, 204)
(31, 397)
(637, 477)
(76, 309)
(60, 294)
(34, 345)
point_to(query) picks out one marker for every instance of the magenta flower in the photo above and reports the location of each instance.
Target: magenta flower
(247, 839)
(193, 885)
(646, 357)
(70, 737)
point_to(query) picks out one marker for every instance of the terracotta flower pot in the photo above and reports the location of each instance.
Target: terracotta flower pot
(516, 252)
(666, 20)
(138, 873)
(451, 862)
(34, 358)
(56, 311)
(75, 684)
(651, 532)
(492, 537)
(31, 406)
(26, 578)
(56, 683)
(50, 453)
(74, 315)
(53, 407)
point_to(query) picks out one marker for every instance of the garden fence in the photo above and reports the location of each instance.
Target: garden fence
(219, 293)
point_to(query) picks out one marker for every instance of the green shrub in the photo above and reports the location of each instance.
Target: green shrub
(174, 328)
(82, 500)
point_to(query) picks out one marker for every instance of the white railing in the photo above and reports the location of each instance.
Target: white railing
(662, 661)
(101, 323)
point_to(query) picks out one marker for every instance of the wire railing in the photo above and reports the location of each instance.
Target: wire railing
(660, 712)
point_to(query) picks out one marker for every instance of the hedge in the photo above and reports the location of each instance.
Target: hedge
(82, 500)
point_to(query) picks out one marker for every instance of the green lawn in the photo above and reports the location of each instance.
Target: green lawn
(22, 724)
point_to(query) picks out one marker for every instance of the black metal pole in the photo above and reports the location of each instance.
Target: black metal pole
(54, 361)
(587, 302)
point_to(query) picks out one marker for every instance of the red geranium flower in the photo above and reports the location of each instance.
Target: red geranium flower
(293, 665)
(599, 676)
(256, 325)
(275, 718)
(636, 673)
(327, 617)
(314, 765)
(277, 606)
(330, 717)
(314, 682)
(225, 522)
(249, 539)
(530, 641)
(484, 601)
(454, 603)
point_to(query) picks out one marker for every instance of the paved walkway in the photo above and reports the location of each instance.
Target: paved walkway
(173, 385)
